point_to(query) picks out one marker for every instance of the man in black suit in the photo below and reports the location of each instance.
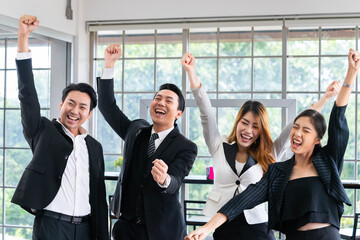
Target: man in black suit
(63, 185)
(156, 159)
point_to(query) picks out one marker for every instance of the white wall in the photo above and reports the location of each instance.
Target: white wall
(142, 9)
(51, 13)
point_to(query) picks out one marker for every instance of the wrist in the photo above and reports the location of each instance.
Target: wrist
(109, 64)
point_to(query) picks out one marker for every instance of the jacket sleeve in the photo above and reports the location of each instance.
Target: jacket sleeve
(108, 108)
(252, 196)
(281, 148)
(29, 103)
(208, 120)
(338, 136)
(181, 167)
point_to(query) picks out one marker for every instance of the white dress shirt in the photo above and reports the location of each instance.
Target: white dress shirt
(73, 195)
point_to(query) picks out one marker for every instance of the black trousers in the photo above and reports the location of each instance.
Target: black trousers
(239, 229)
(326, 233)
(46, 228)
(129, 230)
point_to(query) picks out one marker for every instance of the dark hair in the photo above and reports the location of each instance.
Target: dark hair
(316, 119)
(175, 89)
(81, 87)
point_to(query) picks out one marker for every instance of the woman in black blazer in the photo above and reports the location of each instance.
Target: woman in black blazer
(305, 193)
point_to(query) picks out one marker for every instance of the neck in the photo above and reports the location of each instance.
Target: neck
(158, 128)
(304, 159)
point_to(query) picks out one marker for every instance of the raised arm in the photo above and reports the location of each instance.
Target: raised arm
(281, 147)
(107, 103)
(29, 103)
(338, 130)
(208, 119)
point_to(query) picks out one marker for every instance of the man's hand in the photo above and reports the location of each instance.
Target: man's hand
(159, 171)
(27, 24)
(112, 54)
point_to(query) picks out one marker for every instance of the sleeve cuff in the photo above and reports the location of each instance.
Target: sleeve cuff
(23, 55)
(166, 183)
(107, 73)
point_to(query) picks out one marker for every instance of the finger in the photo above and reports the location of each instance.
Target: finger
(159, 168)
(157, 171)
(162, 163)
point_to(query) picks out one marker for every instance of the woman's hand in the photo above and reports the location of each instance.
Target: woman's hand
(188, 61)
(198, 234)
(333, 89)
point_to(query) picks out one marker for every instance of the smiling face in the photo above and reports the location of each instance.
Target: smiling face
(247, 130)
(164, 110)
(75, 110)
(303, 136)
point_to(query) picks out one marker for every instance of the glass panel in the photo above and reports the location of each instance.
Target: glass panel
(235, 75)
(267, 78)
(168, 71)
(235, 42)
(267, 96)
(110, 141)
(40, 52)
(132, 106)
(117, 73)
(226, 118)
(332, 69)
(337, 41)
(350, 117)
(110, 162)
(274, 122)
(358, 135)
(199, 168)
(42, 85)
(12, 90)
(15, 162)
(107, 38)
(169, 43)
(1, 174)
(139, 43)
(196, 130)
(206, 71)
(303, 74)
(2, 77)
(18, 233)
(303, 41)
(2, 54)
(303, 101)
(13, 130)
(203, 42)
(11, 52)
(234, 96)
(15, 215)
(267, 42)
(139, 75)
(199, 191)
(349, 210)
(348, 171)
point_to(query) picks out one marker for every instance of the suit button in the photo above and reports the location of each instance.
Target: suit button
(237, 182)
(66, 157)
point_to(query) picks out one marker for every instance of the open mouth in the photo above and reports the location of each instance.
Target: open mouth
(160, 111)
(296, 143)
(245, 138)
(72, 118)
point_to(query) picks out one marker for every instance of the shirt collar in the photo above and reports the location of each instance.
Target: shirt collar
(83, 132)
(162, 134)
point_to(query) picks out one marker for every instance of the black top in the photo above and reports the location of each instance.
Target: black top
(306, 201)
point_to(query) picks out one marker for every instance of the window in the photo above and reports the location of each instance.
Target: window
(245, 62)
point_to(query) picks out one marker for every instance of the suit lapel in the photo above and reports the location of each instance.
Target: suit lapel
(93, 156)
(230, 154)
(279, 183)
(61, 131)
(249, 163)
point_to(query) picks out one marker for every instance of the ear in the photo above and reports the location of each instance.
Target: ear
(88, 117)
(317, 141)
(178, 115)
(61, 103)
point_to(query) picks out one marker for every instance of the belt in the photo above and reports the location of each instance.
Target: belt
(66, 218)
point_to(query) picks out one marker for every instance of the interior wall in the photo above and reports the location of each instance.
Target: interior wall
(139, 9)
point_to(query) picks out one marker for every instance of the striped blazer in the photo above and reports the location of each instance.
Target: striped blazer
(328, 162)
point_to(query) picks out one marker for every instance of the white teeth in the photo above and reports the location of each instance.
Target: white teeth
(246, 137)
(159, 111)
(72, 118)
(296, 141)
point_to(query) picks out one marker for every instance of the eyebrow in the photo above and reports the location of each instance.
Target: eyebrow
(81, 104)
(168, 97)
(245, 120)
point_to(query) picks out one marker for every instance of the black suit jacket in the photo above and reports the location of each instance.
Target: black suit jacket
(51, 148)
(328, 162)
(162, 209)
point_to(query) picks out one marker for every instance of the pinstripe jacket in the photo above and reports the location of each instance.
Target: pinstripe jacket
(328, 162)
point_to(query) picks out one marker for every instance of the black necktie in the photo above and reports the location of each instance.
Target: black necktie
(151, 147)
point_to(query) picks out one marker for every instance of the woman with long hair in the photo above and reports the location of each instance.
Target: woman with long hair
(241, 158)
(305, 194)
